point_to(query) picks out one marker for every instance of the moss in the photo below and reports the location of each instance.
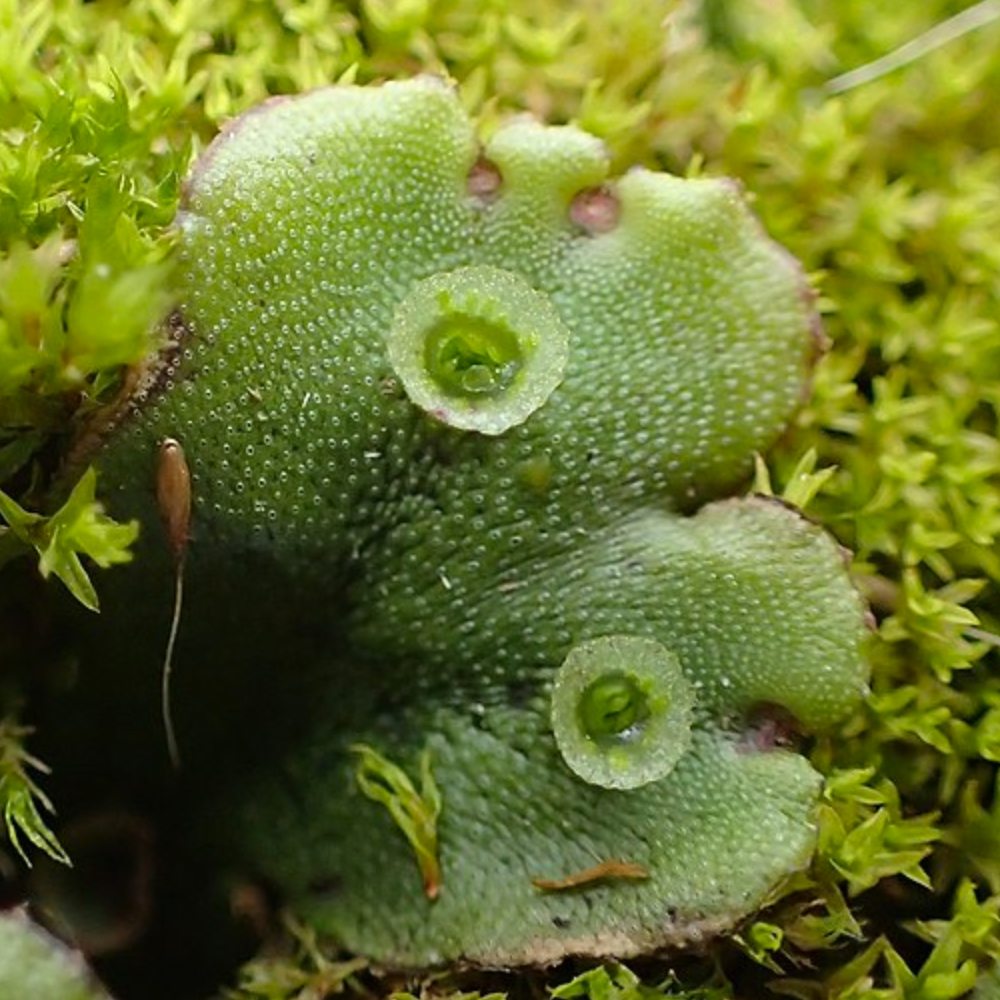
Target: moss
(887, 192)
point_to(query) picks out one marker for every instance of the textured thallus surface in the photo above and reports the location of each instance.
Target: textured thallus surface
(36, 965)
(454, 571)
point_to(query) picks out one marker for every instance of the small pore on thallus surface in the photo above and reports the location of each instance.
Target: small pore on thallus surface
(621, 711)
(478, 348)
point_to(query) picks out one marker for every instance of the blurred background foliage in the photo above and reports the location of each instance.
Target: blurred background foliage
(886, 184)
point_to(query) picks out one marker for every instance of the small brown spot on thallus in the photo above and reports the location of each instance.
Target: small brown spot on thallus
(484, 180)
(596, 210)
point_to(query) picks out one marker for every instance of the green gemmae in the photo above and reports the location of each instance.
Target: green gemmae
(463, 418)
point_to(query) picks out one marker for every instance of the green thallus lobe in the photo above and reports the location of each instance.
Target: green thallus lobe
(621, 711)
(478, 348)
(691, 338)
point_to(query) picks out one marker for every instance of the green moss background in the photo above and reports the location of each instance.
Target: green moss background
(887, 186)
